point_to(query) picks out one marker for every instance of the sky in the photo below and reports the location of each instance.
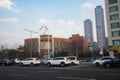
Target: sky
(62, 18)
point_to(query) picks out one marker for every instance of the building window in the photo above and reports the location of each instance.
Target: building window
(29, 45)
(115, 25)
(112, 1)
(63, 44)
(113, 8)
(56, 44)
(114, 17)
(116, 42)
(115, 33)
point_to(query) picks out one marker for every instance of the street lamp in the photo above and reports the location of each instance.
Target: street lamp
(39, 41)
(31, 39)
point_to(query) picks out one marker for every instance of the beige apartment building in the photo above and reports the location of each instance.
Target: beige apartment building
(113, 23)
(113, 26)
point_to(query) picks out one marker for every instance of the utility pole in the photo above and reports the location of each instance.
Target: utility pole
(31, 45)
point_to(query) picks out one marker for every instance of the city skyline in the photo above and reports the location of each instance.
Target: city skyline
(63, 18)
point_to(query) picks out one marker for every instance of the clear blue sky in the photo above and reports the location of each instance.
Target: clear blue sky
(62, 17)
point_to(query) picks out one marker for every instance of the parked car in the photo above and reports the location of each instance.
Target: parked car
(30, 61)
(17, 61)
(4, 62)
(100, 61)
(115, 62)
(74, 60)
(62, 61)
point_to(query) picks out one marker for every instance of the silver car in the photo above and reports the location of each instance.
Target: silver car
(100, 61)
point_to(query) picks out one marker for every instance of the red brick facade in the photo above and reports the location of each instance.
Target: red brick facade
(74, 44)
(79, 44)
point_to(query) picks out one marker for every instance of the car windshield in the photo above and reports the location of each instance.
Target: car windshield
(29, 59)
(106, 58)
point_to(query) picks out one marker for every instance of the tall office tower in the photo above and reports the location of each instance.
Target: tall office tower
(100, 27)
(113, 21)
(88, 30)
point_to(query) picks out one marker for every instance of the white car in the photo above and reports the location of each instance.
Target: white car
(30, 61)
(62, 61)
(74, 60)
(100, 61)
(17, 61)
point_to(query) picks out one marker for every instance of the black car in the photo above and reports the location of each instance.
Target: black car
(5, 62)
(115, 62)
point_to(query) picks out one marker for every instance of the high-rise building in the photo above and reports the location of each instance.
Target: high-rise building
(88, 30)
(100, 27)
(113, 21)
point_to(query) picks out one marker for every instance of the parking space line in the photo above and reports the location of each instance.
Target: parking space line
(75, 78)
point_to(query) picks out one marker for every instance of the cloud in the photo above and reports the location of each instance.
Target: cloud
(9, 38)
(44, 21)
(61, 27)
(71, 23)
(61, 21)
(9, 5)
(87, 5)
(10, 20)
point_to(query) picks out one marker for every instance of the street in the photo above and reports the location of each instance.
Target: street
(84, 71)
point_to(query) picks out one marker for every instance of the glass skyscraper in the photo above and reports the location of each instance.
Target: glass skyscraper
(100, 27)
(88, 30)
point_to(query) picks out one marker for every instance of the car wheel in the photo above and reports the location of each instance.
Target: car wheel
(48, 64)
(72, 63)
(31, 64)
(3, 64)
(21, 64)
(107, 65)
(97, 64)
(62, 64)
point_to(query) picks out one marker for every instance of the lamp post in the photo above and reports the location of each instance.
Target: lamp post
(30, 31)
(39, 40)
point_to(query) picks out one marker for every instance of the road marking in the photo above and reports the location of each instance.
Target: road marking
(18, 75)
(114, 74)
(6, 70)
(51, 71)
(75, 78)
(62, 68)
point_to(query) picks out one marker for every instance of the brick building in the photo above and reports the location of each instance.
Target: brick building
(31, 45)
(74, 44)
(62, 45)
(79, 44)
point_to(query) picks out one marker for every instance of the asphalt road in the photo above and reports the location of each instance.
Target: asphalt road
(84, 71)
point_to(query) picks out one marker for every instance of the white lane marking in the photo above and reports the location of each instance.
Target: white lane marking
(51, 71)
(114, 74)
(18, 75)
(6, 70)
(75, 78)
